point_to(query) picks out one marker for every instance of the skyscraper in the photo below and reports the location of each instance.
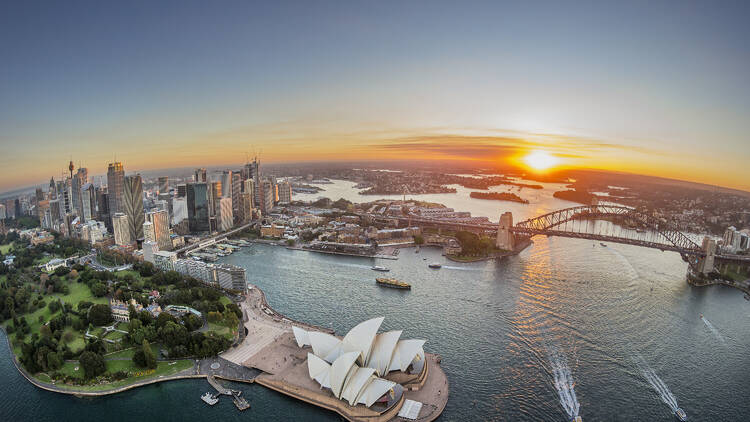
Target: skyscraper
(115, 186)
(133, 205)
(249, 188)
(285, 192)
(121, 229)
(102, 205)
(225, 216)
(200, 176)
(148, 232)
(236, 198)
(160, 225)
(198, 207)
(163, 184)
(267, 196)
(52, 194)
(88, 202)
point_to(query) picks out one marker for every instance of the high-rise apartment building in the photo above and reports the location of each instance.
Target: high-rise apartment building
(132, 201)
(115, 187)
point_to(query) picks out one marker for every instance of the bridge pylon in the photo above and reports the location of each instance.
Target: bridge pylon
(506, 239)
(706, 263)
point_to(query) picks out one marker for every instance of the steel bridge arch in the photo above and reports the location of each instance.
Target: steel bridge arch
(545, 224)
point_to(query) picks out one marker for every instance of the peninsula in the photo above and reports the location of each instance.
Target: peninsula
(499, 196)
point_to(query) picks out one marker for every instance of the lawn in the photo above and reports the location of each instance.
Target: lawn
(114, 335)
(97, 331)
(220, 330)
(128, 353)
(77, 293)
(5, 248)
(78, 343)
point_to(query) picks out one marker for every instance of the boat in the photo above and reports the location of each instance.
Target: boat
(209, 399)
(603, 244)
(435, 265)
(393, 283)
(640, 230)
(681, 415)
(577, 419)
(379, 268)
(747, 296)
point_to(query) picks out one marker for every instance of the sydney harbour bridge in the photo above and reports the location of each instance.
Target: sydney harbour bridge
(599, 222)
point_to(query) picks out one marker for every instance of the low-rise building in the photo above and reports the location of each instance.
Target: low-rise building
(272, 230)
(165, 260)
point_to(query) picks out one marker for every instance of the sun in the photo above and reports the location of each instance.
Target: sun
(540, 160)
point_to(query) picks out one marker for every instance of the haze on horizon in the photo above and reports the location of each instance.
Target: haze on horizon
(655, 88)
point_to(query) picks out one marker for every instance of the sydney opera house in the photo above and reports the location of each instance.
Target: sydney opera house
(366, 368)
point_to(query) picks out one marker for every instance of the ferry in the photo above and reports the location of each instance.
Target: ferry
(681, 415)
(209, 399)
(379, 268)
(435, 265)
(393, 283)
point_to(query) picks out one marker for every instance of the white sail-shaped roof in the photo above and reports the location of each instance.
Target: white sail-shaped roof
(361, 337)
(358, 381)
(325, 345)
(301, 337)
(319, 370)
(406, 351)
(382, 351)
(374, 390)
(340, 371)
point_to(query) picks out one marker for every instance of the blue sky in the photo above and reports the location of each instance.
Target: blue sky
(201, 83)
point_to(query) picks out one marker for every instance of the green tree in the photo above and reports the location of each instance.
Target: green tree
(148, 355)
(54, 362)
(92, 363)
(100, 314)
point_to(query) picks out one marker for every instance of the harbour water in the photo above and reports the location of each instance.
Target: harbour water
(567, 327)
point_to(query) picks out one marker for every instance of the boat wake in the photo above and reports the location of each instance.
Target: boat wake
(658, 385)
(713, 330)
(564, 383)
(630, 270)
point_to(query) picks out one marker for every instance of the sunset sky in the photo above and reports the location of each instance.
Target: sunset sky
(654, 87)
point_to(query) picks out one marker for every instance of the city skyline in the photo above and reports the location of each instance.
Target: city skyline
(174, 85)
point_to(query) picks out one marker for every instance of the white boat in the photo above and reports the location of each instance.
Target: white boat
(435, 265)
(209, 399)
(681, 415)
(379, 268)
